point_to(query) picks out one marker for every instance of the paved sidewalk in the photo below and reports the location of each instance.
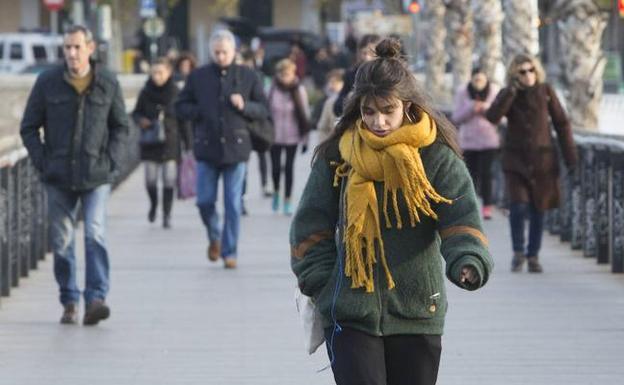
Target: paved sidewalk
(178, 319)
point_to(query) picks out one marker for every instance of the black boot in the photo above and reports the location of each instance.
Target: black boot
(167, 204)
(152, 191)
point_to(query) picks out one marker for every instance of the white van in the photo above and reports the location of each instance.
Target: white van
(21, 50)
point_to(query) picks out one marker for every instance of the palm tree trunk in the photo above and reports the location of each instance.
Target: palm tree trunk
(488, 20)
(460, 26)
(581, 27)
(520, 34)
(435, 54)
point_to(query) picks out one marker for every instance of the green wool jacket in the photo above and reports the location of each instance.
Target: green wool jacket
(417, 305)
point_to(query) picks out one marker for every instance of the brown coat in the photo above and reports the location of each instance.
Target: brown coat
(529, 156)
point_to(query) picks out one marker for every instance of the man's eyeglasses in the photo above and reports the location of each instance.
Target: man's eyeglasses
(527, 71)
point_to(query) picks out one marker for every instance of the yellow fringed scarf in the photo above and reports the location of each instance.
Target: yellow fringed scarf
(394, 160)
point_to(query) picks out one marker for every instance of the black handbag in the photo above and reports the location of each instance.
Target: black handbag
(262, 134)
(155, 133)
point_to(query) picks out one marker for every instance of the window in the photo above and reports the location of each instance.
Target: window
(39, 52)
(16, 52)
(59, 52)
(1, 50)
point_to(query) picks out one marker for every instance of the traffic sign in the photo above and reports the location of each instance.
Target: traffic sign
(54, 5)
(154, 27)
(148, 8)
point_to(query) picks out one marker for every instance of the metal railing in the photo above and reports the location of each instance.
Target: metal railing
(591, 217)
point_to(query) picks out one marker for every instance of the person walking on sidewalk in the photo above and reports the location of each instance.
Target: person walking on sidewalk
(288, 102)
(220, 98)
(81, 109)
(478, 138)
(155, 105)
(529, 156)
(388, 196)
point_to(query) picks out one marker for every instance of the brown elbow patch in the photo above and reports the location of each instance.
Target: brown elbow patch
(453, 230)
(299, 250)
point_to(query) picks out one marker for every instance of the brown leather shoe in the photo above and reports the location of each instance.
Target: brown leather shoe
(229, 263)
(96, 311)
(517, 262)
(70, 314)
(534, 265)
(214, 251)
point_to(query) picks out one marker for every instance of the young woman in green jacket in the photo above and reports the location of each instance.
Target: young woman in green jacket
(387, 201)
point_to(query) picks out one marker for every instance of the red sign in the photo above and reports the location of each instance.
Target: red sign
(54, 5)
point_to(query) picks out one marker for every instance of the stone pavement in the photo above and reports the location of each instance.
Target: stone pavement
(178, 319)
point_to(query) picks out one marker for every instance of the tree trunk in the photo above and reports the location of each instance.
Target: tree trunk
(488, 20)
(520, 34)
(460, 26)
(581, 26)
(435, 55)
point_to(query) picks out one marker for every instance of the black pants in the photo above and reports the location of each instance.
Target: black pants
(262, 164)
(479, 165)
(276, 166)
(362, 359)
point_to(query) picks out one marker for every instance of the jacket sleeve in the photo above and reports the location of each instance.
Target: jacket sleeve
(313, 246)
(186, 106)
(459, 223)
(464, 108)
(118, 127)
(256, 107)
(33, 119)
(139, 108)
(501, 105)
(562, 127)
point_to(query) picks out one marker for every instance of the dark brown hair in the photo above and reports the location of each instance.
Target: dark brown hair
(186, 56)
(387, 77)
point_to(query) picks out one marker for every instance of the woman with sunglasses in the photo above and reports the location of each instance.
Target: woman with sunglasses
(391, 181)
(529, 155)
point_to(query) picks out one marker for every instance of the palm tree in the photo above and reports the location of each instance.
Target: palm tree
(435, 54)
(461, 41)
(520, 34)
(581, 25)
(488, 20)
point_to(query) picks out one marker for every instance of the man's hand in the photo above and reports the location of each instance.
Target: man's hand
(237, 101)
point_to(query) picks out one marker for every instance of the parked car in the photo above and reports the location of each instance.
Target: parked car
(21, 50)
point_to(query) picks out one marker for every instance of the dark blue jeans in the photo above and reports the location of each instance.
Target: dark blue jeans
(518, 214)
(63, 215)
(207, 183)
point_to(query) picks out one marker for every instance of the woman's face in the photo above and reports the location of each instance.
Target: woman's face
(367, 53)
(185, 67)
(478, 81)
(526, 74)
(382, 116)
(287, 76)
(160, 73)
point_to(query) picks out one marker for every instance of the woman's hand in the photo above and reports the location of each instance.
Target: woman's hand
(237, 101)
(469, 277)
(145, 123)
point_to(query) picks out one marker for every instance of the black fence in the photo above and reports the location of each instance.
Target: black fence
(23, 213)
(591, 217)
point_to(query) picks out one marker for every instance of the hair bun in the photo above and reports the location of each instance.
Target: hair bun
(389, 48)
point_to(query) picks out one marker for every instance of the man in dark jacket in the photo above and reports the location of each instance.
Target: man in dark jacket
(81, 110)
(220, 99)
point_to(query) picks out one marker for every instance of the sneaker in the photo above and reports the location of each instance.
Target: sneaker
(534, 265)
(214, 251)
(266, 192)
(70, 314)
(276, 202)
(486, 211)
(229, 263)
(166, 222)
(151, 215)
(287, 207)
(95, 312)
(517, 261)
